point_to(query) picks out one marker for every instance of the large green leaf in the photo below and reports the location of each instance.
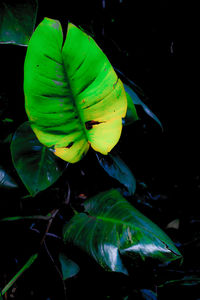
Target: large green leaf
(17, 21)
(112, 227)
(36, 165)
(73, 96)
(117, 169)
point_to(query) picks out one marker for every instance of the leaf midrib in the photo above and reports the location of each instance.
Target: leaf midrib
(116, 221)
(71, 91)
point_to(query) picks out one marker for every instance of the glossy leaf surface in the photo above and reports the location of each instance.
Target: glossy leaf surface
(112, 228)
(6, 180)
(116, 168)
(73, 96)
(17, 21)
(36, 165)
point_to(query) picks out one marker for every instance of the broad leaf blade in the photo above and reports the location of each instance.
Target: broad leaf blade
(69, 267)
(17, 21)
(112, 228)
(116, 168)
(36, 165)
(74, 98)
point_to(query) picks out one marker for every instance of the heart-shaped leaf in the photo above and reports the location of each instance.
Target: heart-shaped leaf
(73, 96)
(112, 228)
(116, 168)
(17, 21)
(36, 165)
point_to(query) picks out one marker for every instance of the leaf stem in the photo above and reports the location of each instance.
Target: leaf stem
(21, 271)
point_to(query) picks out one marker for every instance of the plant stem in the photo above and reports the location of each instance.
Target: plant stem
(21, 271)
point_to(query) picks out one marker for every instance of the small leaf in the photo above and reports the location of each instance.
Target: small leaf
(17, 21)
(36, 164)
(112, 228)
(131, 114)
(69, 267)
(137, 101)
(148, 294)
(116, 168)
(6, 181)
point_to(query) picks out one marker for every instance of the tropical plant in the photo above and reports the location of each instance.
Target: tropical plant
(75, 99)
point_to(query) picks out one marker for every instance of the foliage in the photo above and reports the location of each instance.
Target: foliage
(36, 164)
(17, 21)
(83, 216)
(111, 228)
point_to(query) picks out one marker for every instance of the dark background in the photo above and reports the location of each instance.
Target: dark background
(152, 43)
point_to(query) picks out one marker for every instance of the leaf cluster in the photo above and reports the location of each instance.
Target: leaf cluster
(84, 209)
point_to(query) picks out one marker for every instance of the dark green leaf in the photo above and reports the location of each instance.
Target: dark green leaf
(68, 266)
(17, 21)
(116, 168)
(188, 280)
(6, 181)
(131, 113)
(112, 228)
(137, 101)
(36, 164)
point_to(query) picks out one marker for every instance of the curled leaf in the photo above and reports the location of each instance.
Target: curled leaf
(116, 168)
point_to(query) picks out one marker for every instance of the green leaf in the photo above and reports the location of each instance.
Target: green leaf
(6, 181)
(17, 21)
(36, 165)
(132, 95)
(73, 96)
(116, 168)
(69, 267)
(112, 228)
